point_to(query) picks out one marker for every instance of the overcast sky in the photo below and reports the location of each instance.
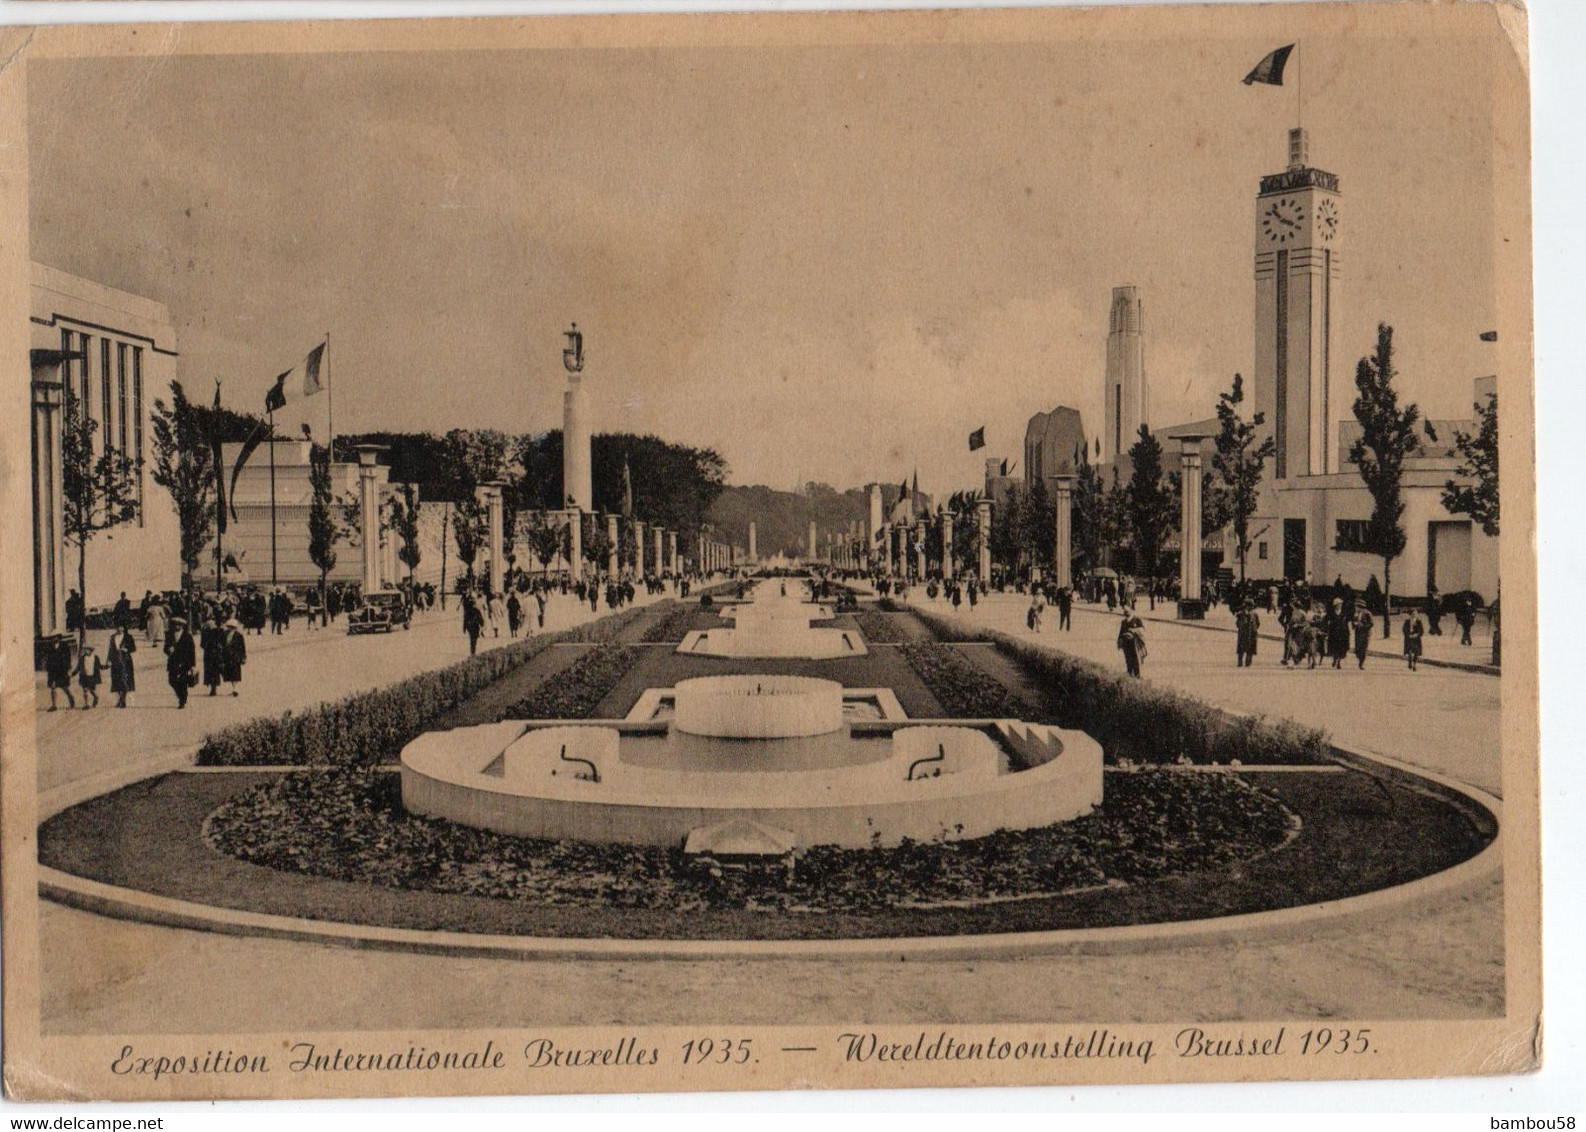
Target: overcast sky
(827, 263)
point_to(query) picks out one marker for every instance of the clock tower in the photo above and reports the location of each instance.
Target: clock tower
(1298, 214)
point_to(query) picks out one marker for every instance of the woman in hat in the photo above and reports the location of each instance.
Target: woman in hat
(119, 654)
(233, 653)
(211, 643)
(1363, 626)
(1414, 629)
(58, 668)
(1131, 639)
(181, 660)
(1337, 632)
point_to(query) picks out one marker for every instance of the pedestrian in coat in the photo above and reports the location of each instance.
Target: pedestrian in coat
(1065, 608)
(1413, 631)
(58, 669)
(211, 642)
(1248, 623)
(1337, 633)
(1465, 616)
(1364, 624)
(181, 660)
(473, 623)
(1131, 639)
(514, 614)
(233, 654)
(123, 677)
(154, 624)
(539, 606)
(90, 670)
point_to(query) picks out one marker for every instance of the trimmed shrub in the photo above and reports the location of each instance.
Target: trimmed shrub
(1140, 722)
(573, 694)
(369, 727)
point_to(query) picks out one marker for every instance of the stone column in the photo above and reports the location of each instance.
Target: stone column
(1189, 569)
(671, 551)
(575, 554)
(660, 550)
(49, 559)
(814, 551)
(369, 500)
(983, 513)
(638, 548)
(919, 548)
(947, 545)
(1063, 566)
(577, 469)
(490, 496)
(874, 526)
(613, 559)
(754, 546)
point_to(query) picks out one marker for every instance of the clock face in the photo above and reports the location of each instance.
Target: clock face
(1283, 220)
(1327, 219)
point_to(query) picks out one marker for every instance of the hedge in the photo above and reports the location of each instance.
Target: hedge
(369, 727)
(1139, 722)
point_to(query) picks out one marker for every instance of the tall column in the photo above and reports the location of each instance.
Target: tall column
(577, 472)
(983, 513)
(754, 555)
(1063, 571)
(638, 548)
(947, 545)
(671, 551)
(660, 550)
(369, 499)
(919, 548)
(613, 559)
(1189, 568)
(814, 547)
(490, 496)
(873, 531)
(49, 560)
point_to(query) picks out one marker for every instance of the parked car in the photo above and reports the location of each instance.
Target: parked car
(379, 613)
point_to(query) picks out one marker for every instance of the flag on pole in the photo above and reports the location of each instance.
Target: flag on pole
(313, 378)
(977, 439)
(261, 430)
(1489, 335)
(220, 469)
(276, 397)
(1270, 69)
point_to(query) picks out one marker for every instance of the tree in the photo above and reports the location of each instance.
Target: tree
(674, 485)
(1239, 462)
(1089, 522)
(1387, 437)
(323, 529)
(1478, 453)
(405, 525)
(596, 545)
(1149, 504)
(98, 492)
(545, 539)
(964, 506)
(1038, 524)
(184, 466)
(472, 457)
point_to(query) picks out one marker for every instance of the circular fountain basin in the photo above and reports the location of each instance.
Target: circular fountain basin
(758, 707)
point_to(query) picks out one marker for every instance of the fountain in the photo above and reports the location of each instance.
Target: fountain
(774, 625)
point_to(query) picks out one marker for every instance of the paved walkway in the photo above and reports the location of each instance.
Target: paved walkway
(1443, 719)
(298, 669)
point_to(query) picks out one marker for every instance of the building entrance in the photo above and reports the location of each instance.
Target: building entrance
(1293, 548)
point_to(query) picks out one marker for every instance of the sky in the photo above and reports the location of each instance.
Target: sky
(827, 262)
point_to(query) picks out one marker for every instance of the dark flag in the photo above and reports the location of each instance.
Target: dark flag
(1270, 69)
(1098, 446)
(276, 397)
(977, 439)
(220, 468)
(1489, 335)
(1431, 433)
(260, 431)
(1004, 470)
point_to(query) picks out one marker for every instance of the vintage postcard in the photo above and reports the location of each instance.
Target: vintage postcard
(721, 552)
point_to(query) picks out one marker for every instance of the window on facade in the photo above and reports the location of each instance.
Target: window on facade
(1261, 551)
(1351, 535)
(107, 434)
(137, 421)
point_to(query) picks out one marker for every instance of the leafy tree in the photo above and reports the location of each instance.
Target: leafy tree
(1088, 521)
(597, 545)
(1239, 462)
(1387, 437)
(1038, 524)
(674, 485)
(324, 531)
(1149, 503)
(1478, 453)
(98, 492)
(545, 539)
(405, 525)
(184, 466)
(1007, 532)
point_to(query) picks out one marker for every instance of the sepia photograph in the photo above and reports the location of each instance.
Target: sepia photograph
(701, 552)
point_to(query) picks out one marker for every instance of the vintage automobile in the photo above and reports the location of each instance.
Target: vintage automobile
(380, 612)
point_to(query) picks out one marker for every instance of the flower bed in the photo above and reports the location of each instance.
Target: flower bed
(350, 826)
(672, 625)
(965, 690)
(1135, 721)
(876, 628)
(574, 693)
(368, 727)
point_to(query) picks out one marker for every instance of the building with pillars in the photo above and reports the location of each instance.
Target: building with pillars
(112, 353)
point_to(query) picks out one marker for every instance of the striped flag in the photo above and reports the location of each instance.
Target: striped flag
(313, 378)
(1270, 69)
